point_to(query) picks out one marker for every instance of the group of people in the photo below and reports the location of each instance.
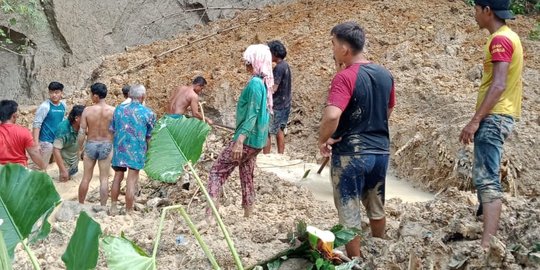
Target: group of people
(353, 132)
(99, 133)
(354, 129)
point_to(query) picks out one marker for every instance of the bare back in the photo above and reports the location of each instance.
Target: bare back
(98, 118)
(181, 100)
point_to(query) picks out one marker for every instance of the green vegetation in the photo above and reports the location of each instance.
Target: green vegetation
(174, 142)
(121, 253)
(23, 219)
(519, 6)
(319, 261)
(27, 10)
(83, 248)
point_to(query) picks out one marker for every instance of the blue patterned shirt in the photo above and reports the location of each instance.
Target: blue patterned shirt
(132, 125)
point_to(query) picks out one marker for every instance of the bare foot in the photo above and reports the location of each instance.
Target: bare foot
(114, 210)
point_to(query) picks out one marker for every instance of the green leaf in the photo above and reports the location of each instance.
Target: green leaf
(2, 33)
(20, 189)
(12, 21)
(347, 266)
(123, 254)
(83, 248)
(274, 265)
(5, 262)
(319, 263)
(343, 235)
(174, 142)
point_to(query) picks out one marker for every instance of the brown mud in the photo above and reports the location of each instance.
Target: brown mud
(433, 49)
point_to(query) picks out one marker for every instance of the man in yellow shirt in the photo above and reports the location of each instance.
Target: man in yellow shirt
(498, 106)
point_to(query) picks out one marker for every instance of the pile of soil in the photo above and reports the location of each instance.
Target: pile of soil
(439, 234)
(433, 49)
(435, 58)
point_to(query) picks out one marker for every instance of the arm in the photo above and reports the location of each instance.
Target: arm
(82, 131)
(497, 87)
(339, 95)
(64, 176)
(41, 113)
(279, 73)
(329, 124)
(33, 152)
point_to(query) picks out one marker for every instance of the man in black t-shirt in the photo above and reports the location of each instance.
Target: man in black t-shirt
(281, 97)
(354, 131)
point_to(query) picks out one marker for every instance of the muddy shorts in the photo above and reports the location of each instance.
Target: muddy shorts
(97, 150)
(46, 150)
(488, 148)
(359, 179)
(278, 120)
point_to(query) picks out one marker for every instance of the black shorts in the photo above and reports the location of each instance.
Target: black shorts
(119, 169)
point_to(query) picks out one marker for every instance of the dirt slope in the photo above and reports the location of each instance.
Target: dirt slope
(433, 48)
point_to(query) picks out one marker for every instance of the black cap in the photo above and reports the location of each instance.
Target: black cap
(501, 8)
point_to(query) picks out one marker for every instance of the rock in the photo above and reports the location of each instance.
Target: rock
(139, 207)
(475, 73)
(154, 202)
(99, 208)
(68, 210)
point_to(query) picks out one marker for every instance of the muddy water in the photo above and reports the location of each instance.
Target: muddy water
(295, 170)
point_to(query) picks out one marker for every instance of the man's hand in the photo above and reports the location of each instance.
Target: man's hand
(326, 148)
(210, 122)
(238, 147)
(467, 134)
(64, 175)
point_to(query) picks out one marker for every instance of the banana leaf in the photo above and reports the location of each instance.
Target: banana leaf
(5, 262)
(174, 142)
(83, 248)
(123, 254)
(26, 197)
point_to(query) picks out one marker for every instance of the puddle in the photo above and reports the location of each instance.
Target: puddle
(320, 185)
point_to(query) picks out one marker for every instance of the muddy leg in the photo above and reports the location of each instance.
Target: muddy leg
(88, 165)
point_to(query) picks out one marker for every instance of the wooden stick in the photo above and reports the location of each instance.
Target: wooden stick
(224, 127)
(202, 111)
(220, 8)
(325, 161)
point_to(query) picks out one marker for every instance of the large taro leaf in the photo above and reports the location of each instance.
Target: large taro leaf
(26, 196)
(122, 254)
(83, 248)
(174, 142)
(5, 262)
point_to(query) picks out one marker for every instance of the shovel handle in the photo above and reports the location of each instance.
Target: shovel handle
(325, 161)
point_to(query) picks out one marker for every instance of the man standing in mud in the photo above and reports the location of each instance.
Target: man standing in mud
(188, 97)
(132, 126)
(94, 128)
(354, 131)
(281, 97)
(498, 105)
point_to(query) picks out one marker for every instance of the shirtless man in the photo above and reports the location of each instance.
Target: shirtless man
(95, 123)
(185, 97)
